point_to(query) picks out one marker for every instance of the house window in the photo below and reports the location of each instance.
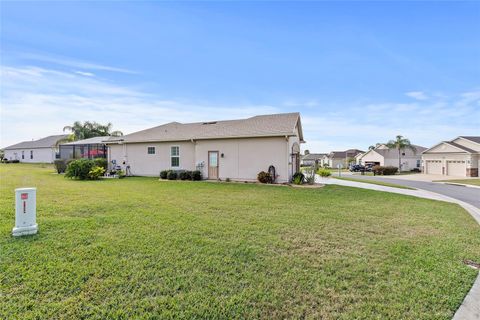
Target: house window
(418, 163)
(151, 150)
(175, 156)
(403, 153)
(31, 154)
(23, 155)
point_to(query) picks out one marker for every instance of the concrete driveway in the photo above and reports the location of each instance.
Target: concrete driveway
(466, 194)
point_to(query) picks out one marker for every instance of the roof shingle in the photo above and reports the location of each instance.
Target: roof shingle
(47, 142)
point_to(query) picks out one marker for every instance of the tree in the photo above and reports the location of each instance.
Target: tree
(307, 152)
(89, 129)
(400, 143)
(371, 147)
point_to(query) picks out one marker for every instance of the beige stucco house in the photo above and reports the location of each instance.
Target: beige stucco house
(458, 157)
(384, 156)
(234, 149)
(312, 159)
(342, 158)
(43, 150)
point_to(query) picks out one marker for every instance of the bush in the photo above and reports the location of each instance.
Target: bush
(386, 171)
(79, 169)
(171, 175)
(163, 174)
(196, 175)
(325, 173)
(15, 161)
(101, 162)
(185, 175)
(121, 174)
(415, 170)
(60, 165)
(264, 177)
(96, 173)
(298, 178)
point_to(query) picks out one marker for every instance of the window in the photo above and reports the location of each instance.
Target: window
(23, 155)
(175, 156)
(403, 153)
(31, 154)
(151, 150)
(418, 163)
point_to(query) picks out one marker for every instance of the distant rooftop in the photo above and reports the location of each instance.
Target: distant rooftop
(47, 142)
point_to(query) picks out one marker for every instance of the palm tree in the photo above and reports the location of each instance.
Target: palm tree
(89, 129)
(400, 143)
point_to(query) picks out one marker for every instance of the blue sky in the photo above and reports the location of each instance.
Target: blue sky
(359, 72)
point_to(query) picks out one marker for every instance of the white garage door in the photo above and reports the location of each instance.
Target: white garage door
(434, 166)
(456, 168)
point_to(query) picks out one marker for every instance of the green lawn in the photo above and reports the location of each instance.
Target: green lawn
(141, 248)
(473, 182)
(381, 183)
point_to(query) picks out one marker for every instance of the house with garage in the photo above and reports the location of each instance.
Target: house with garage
(312, 159)
(384, 156)
(458, 157)
(235, 149)
(43, 150)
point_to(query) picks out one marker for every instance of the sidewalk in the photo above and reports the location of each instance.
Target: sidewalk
(470, 308)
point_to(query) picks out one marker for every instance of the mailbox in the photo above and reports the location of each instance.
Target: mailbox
(25, 212)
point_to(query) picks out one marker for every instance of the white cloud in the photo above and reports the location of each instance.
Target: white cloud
(59, 60)
(37, 102)
(419, 95)
(86, 74)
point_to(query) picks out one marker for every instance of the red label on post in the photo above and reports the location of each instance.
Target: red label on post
(24, 196)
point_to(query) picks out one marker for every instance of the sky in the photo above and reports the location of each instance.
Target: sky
(358, 72)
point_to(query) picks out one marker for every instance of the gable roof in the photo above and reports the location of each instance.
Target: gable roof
(47, 142)
(456, 145)
(471, 138)
(313, 156)
(393, 153)
(283, 124)
(344, 154)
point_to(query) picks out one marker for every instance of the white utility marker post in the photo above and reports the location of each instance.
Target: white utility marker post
(25, 212)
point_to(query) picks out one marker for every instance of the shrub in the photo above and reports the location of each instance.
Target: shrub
(298, 178)
(171, 175)
(60, 165)
(101, 162)
(325, 173)
(227, 180)
(415, 170)
(388, 170)
(196, 175)
(185, 175)
(96, 173)
(264, 177)
(121, 174)
(79, 169)
(15, 161)
(163, 174)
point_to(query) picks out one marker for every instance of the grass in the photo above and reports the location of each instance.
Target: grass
(381, 183)
(473, 182)
(140, 248)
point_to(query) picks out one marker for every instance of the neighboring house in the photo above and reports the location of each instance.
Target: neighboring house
(234, 149)
(343, 158)
(458, 157)
(312, 158)
(42, 150)
(358, 158)
(88, 148)
(384, 156)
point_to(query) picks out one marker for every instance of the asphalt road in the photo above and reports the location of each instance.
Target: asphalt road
(466, 194)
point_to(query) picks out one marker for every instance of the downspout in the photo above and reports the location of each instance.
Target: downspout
(288, 161)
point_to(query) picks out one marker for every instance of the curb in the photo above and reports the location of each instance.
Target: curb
(458, 184)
